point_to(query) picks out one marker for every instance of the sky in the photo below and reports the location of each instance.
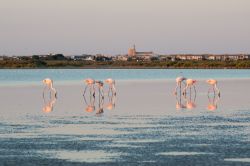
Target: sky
(72, 27)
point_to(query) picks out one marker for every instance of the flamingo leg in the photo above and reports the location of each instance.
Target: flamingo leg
(102, 93)
(185, 90)
(85, 90)
(50, 93)
(93, 87)
(113, 89)
(44, 91)
(214, 89)
(175, 91)
(109, 90)
(217, 89)
(90, 90)
(208, 90)
(194, 89)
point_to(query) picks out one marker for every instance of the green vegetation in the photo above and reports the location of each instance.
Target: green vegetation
(35, 62)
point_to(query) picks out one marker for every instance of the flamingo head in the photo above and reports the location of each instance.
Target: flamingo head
(47, 81)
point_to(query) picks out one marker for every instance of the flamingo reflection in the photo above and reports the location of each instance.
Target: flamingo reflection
(190, 101)
(90, 105)
(111, 102)
(100, 106)
(179, 105)
(48, 105)
(212, 103)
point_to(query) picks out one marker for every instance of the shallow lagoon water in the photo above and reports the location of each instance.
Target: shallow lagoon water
(142, 128)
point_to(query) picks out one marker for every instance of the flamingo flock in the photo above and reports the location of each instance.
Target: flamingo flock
(191, 84)
(91, 85)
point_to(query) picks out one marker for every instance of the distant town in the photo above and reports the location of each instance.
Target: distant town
(132, 59)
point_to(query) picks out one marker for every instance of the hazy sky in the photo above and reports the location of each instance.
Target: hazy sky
(111, 26)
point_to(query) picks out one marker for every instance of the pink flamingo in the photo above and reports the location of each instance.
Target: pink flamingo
(89, 82)
(179, 80)
(111, 83)
(213, 84)
(49, 85)
(190, 83)
(100, 85)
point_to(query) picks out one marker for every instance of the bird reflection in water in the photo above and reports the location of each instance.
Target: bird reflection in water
(185, 101)
(213, 102)
(90, 105)
(179, 98)
(48, 105)
(179, 105)
(190, 101)
(110, 105)
(111, 102)
(100, 106)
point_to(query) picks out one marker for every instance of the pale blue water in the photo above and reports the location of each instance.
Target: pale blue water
(143, 127)
(34, 76)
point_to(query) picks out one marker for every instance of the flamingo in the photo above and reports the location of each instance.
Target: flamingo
(49, 85)
(100, 85)
(190, 83)
(89, 82)
(179, 80)
(213, 83)
(111, 83)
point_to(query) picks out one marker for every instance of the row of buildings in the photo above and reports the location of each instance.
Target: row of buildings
(135, 55)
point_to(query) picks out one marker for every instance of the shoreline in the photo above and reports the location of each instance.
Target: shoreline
(132, 67)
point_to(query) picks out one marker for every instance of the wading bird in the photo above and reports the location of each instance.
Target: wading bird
(100, 85)
(189, 84)
(90, 83)
(49, 85)
(213, 84)
(179, 81)
(111, 84)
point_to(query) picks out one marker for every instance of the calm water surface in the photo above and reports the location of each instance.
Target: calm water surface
(141, 126)
(28, 76)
